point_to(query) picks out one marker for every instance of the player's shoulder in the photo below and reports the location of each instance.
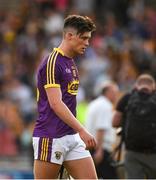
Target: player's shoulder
(54, 58)
(43, 61)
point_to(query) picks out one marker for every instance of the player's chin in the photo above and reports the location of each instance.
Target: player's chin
(81, 52)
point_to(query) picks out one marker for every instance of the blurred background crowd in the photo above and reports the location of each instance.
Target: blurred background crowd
(123, 46)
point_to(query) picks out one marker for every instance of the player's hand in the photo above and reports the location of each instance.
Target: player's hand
(88, 139)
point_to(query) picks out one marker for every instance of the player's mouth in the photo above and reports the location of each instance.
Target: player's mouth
(83, 49)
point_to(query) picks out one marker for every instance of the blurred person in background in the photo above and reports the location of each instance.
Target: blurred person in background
(99, 124)
(20, 95)
(135, 113)
(58, 137)
(11, 125)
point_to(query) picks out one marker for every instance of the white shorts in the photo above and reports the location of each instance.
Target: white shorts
(58, 150)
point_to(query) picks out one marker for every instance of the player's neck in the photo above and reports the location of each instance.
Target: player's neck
(66, 50)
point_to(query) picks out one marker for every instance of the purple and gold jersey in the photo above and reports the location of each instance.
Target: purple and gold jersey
(56, 71)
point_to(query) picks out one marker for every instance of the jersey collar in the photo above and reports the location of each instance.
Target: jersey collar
(59, 50)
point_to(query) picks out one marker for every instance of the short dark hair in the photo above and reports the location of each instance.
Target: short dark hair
(81, 23)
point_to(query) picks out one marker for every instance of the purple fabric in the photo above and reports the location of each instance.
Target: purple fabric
(57, 71)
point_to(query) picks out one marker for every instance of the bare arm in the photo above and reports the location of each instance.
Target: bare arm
(99, 153)
(62, 111)
(100, 138)
(117, 119)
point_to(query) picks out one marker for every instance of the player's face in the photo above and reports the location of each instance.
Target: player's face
(80, 42)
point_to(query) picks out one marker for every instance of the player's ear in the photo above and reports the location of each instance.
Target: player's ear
(69, 35)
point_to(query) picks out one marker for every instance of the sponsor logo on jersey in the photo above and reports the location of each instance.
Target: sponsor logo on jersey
(73, 87)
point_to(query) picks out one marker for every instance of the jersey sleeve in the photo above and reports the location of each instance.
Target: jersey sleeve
(52, 73)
